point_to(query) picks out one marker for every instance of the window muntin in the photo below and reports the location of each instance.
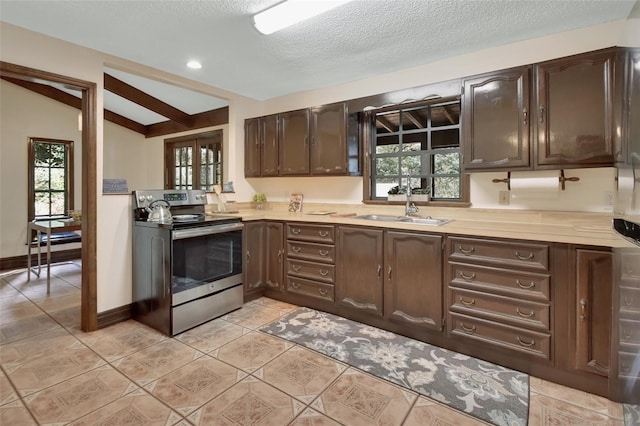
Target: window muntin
(50, 177)
(419, 143)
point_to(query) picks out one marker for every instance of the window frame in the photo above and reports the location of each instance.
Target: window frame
(195, 142)
(69, 176)
(368, 136)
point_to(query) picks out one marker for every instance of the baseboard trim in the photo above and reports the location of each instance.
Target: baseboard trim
(17, 262)
(114, 316)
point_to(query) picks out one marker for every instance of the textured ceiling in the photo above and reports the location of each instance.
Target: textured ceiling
(360, 39)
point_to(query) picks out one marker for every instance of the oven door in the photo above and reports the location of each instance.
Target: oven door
(205, 260)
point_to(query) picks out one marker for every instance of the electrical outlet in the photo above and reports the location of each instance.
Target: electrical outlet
(608, 201)
(503, 198)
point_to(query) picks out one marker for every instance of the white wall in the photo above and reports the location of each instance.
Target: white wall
(34, 50)
(24, 114)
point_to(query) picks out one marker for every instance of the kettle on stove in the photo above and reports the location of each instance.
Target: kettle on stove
(159, 212)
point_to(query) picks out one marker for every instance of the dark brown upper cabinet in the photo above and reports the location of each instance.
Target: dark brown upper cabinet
(496, 120)
(294, 142)
(557, 114)
(328, 149)
(631, 118)
(318, 141)
(261, 146)
(575, 110)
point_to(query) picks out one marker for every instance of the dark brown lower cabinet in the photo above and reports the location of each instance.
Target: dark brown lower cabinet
(254, 258)
(394, 275)
(413, 279)
(360, 261)
(593, 310)
(274, 263)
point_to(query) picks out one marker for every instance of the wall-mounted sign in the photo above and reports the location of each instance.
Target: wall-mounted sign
(114, 186)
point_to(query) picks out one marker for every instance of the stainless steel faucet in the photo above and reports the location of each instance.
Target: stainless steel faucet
(410, 208)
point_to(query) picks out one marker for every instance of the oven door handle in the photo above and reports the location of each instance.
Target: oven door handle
(205, 230)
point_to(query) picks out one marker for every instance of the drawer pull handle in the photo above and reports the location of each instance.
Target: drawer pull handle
(523, 315)
(295, 285)
(324, 272)
(464, 302)
(295, 268)
(322, 291)
(295, 231)
(323, 233)
(471, 329)
(323, 253)
(527, 344)
(468, 277)
(525, 285)
(466, 251)
(626, 334)
(521, 257)
(583, 306)
(295, 249)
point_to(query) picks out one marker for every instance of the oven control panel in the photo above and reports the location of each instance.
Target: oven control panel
(175, 197)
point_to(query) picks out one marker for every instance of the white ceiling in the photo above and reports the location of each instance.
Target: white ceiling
(360, 39)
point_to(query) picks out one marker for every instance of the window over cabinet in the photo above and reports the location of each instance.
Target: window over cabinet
(417, 145)
(194, 161)
(50, 177)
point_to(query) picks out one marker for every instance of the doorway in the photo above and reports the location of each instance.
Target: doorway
(88, 316)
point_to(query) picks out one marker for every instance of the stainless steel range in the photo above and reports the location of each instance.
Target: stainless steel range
(187, 269)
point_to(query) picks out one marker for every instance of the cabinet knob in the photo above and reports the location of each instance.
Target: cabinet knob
(525, 116)
(541, 113)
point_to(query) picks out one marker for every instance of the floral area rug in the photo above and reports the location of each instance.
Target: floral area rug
(487, 391)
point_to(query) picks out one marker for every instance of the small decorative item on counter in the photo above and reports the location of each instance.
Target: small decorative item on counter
(76, 215)
(259, 199)
(295, 205)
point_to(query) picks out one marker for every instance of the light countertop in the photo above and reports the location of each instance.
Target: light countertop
(549, 226)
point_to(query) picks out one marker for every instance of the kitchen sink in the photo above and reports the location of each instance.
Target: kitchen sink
(429, 221)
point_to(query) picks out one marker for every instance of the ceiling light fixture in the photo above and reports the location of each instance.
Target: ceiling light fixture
(291, 12)
(194, 65)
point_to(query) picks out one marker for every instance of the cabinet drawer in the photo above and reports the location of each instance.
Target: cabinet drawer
(629, 332)
(311, 270)
(630, 301)
(311, 251)
(506, 336)
(310, 288)
(499, 308)
(503, 281)
(513, 254)
(311, 232)
(626, 363)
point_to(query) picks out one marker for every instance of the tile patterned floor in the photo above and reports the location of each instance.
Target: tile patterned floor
(224, 372)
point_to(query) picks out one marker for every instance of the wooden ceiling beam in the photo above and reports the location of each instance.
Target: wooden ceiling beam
(386, 124)
(75, 102)
(413, 119)
(145, 100)
(214, 117)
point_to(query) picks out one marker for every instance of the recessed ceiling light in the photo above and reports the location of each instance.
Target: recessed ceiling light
(194, 65)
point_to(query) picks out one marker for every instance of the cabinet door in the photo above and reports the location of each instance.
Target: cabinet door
(575, 110)
(413, 276)
(593, 310)
(294, 142)
(274, 255)
(632, 114)
(269, 145)
(328, 147)
(254, 267)
(252, 147)
(496, 120)
(359, 280)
